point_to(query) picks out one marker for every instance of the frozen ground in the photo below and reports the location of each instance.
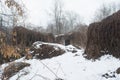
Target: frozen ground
(69, 66)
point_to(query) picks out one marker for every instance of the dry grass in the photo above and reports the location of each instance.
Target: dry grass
(9, 51)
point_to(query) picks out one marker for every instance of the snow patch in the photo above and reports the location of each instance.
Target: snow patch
(68, 67)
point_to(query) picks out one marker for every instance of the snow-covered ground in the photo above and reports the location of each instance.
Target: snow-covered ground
(69, 66)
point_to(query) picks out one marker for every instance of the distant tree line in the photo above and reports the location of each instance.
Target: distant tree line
(62, 21)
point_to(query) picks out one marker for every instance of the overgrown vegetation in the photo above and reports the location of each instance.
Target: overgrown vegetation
(26, 37)
(103, 37)
(10, 13)
(46, 51)
(98, 39)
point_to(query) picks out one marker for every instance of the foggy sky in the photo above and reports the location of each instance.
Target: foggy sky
(38, 10)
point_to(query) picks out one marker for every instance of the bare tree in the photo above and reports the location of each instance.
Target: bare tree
(11, 12)
(104, 11)
(17, 10)
(63, 21)
(70, 20)
(57, 13)
(51, 28)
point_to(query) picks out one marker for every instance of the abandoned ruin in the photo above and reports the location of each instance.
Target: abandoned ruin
(26, 37)
(104, 37)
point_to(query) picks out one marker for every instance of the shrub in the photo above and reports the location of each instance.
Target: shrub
(8, 53)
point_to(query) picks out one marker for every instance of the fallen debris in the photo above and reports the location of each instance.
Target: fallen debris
(12, 69)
